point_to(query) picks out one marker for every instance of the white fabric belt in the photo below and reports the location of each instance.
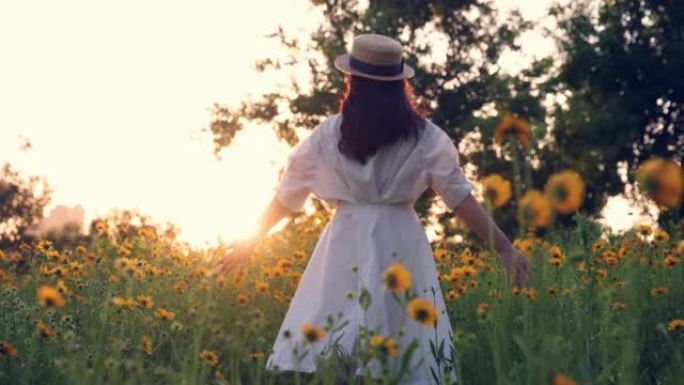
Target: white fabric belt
(345, 205)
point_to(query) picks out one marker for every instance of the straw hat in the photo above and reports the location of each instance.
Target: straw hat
(374, 56)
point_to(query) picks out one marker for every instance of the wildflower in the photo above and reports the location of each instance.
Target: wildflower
(421, 310)
(176, 326)
(566, 191)
(261, 286)
(386, 346)
(599, 244)
(482, 308)
(255, 356)
(124, 303)
(618, 305)
(146, 345)
(662, 180)
(511, 125)
(397, 278)
(312, 333)
(165, 314)
(531, 293)
(456, 273)
(644, 229)
(562, 379)
(209, 357)
(680, 248)
(676, 324)
(670, 261)
(661, 236)
(452, 295)
(656, 291)
(50, 297)
(241, 299)
(536, 208)
(8, 350)
(146, 301)
(45, 331)
(440, 254)
(497, 190)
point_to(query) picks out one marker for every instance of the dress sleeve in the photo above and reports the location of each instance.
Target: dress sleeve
(297, 179)
(444, 174)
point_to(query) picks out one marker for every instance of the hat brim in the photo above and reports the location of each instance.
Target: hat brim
(342, 64)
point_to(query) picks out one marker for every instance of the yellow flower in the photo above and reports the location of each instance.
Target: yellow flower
(675, 324)
(44, 330)
(7, 350)
(124, 303)
(241, 299)
(146, 301)
(536, 208)
(146, 345)
(511, 125)
(50, 297)
(561, 379)
(421, 310)
(209, 357)
(566, 191)
(397, 278)
(670, 261)
(165, 314)
(644, 229)
(482, 308)
(312, 333)
(497, 190)
(387, 346)
(452, 295)
(661, 236)
(680, 248)
(255, 356)
(656, 291)
(662, 180)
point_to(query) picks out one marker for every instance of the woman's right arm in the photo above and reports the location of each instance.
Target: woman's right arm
(477, 219)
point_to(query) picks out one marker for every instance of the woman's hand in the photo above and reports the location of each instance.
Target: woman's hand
(516, 266)
(237, 256)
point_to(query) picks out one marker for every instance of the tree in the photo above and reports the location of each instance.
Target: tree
(453, 81)
(21, 204)
(621, 73)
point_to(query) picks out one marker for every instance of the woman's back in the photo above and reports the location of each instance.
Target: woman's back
(396, 173)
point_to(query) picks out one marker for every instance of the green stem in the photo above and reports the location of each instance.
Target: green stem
(517, 187)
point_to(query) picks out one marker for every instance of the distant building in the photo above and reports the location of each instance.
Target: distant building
(59, 217)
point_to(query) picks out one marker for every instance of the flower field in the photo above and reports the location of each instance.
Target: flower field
(134, 308)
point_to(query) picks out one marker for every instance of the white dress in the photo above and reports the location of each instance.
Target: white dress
(374, 226)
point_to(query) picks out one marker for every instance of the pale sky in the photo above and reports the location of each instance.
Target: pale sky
(111, 96)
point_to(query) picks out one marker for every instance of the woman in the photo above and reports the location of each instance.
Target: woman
(371, 162)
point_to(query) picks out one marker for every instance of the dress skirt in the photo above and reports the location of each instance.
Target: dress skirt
(356, 246)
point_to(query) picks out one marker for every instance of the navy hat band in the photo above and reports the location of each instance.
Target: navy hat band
(376, 69)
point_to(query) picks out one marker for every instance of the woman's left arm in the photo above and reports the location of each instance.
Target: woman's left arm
(242, 249)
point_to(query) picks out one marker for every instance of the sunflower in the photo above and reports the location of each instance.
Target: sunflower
(312, 333)
(7, 350)
(566, 191)
(497, 190)
(50, 297)
(662, 180)
(209, 356)
(421, 310)
(146, 345)
(676, 324)
(562, 379)
(397, 277)
(511, 125)
(165, 314)
(536, 208)
(387, 346)
(44, 330)
(146, 301)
